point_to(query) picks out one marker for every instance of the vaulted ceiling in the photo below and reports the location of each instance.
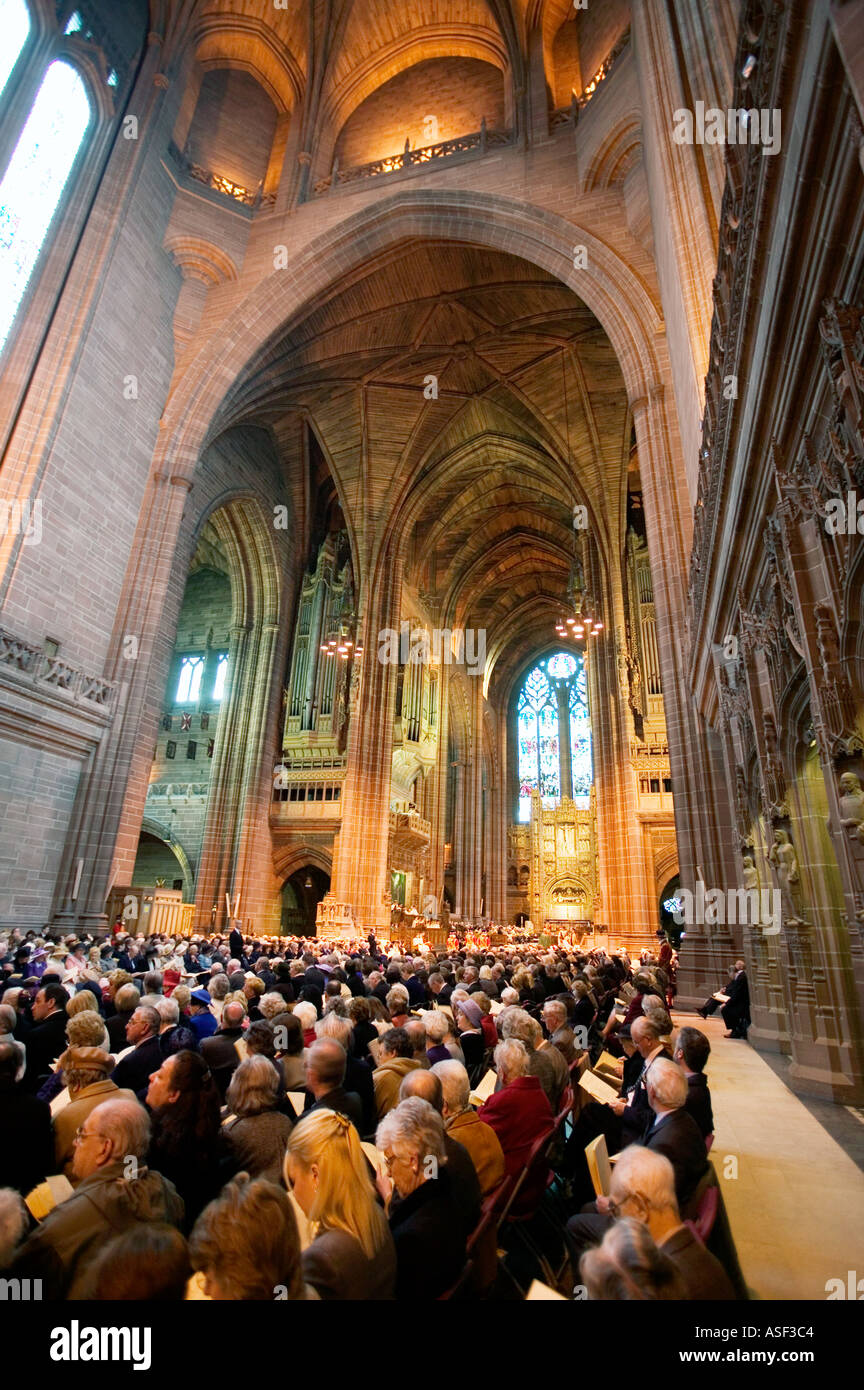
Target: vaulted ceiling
(465, 401)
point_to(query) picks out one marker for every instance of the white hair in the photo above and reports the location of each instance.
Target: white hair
(167, 1009)
(437, 1026)
(511, 1059)
(510, 996)
(13, 1224)
(516, 1023)
(271, 1004)
(667, 1083)
(454, 1084)
(651, 1175)
(306, 1013)
(416, 1125)
(333, 1025)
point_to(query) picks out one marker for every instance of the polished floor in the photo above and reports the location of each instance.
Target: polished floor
(795, 1198)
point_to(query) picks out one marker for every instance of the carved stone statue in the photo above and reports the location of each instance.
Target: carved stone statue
(750, 880)
(784, 860)
(852, 805)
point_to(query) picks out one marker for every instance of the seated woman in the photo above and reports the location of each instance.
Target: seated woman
(352, 1255)
(185, 1145)
(245, 1245)
(471, 1039)
(258, 1135)
(364, 1029)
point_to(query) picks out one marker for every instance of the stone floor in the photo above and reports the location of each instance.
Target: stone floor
(796, 1206)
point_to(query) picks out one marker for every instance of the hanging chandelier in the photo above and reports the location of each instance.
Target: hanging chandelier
(579, 618)
(341, 643)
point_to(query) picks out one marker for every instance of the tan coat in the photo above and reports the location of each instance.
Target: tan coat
(483, 1146)
(67, 1120)
(387, 1079)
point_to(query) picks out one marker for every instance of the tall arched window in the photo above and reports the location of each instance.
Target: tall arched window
(15, 27)
(35, 179)
(551, 719)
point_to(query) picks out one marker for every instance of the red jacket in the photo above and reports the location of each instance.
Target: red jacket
(519, 1115)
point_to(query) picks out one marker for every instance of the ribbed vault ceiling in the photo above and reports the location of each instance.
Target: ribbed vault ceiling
(478, 485)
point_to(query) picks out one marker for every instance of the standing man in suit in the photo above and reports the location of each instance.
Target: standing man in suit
(235, 943)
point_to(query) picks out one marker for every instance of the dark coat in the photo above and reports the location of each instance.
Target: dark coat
(27, 1151)
(116, 1026)
(704, 1276)
(677, 1136)
(698, 1103)
(45, 1042)
(133, 1073)
(736, 1013)
(221, 1056)
(336, 1267)
(429, 1239)
(346, 1102)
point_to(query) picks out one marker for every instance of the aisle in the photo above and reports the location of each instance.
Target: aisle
(797, 1205)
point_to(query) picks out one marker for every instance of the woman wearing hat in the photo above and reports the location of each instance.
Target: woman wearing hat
(471, 1040)
(85, 1072)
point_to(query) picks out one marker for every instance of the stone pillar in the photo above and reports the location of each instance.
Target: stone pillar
(565, 760)
(684, 185)
(360, 863)
(702, 825)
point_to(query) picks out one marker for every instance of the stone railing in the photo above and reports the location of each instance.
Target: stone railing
(410, 826)
(50, 672)
(569, 115)
(479, 141)
(248, 198)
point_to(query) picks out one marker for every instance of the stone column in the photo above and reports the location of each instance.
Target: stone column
(360, 863)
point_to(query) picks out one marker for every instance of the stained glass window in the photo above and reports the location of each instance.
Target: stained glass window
(538, 735)
(34, 181)
(14, 26)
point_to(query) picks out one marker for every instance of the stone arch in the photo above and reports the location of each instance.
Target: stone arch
(617, 296)
(614, 156)
(151, 826)
(287, 859)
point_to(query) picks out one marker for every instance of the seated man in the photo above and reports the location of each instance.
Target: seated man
(674, 1134)
(132, 1073)
(396, 1059)
(464, 1124)
(464, 1183)
(643, 1189)
(427, 1229)
(519, 1113)
(691, 1052)
(558, 1030)
(115, 1190)
(220, 1050)
(326, 1061)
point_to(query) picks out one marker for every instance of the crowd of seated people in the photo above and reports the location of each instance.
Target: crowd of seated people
(240, 1118)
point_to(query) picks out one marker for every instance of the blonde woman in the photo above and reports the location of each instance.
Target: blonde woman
(352, 1255)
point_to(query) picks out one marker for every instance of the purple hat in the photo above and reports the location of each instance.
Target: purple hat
(472, 1011)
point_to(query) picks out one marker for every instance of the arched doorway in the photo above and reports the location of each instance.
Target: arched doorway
(157, 862)
(302, 891)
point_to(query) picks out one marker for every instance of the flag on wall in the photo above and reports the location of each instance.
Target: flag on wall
(185, 723)
(205, 721)
(210, 743)
(166, 721)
